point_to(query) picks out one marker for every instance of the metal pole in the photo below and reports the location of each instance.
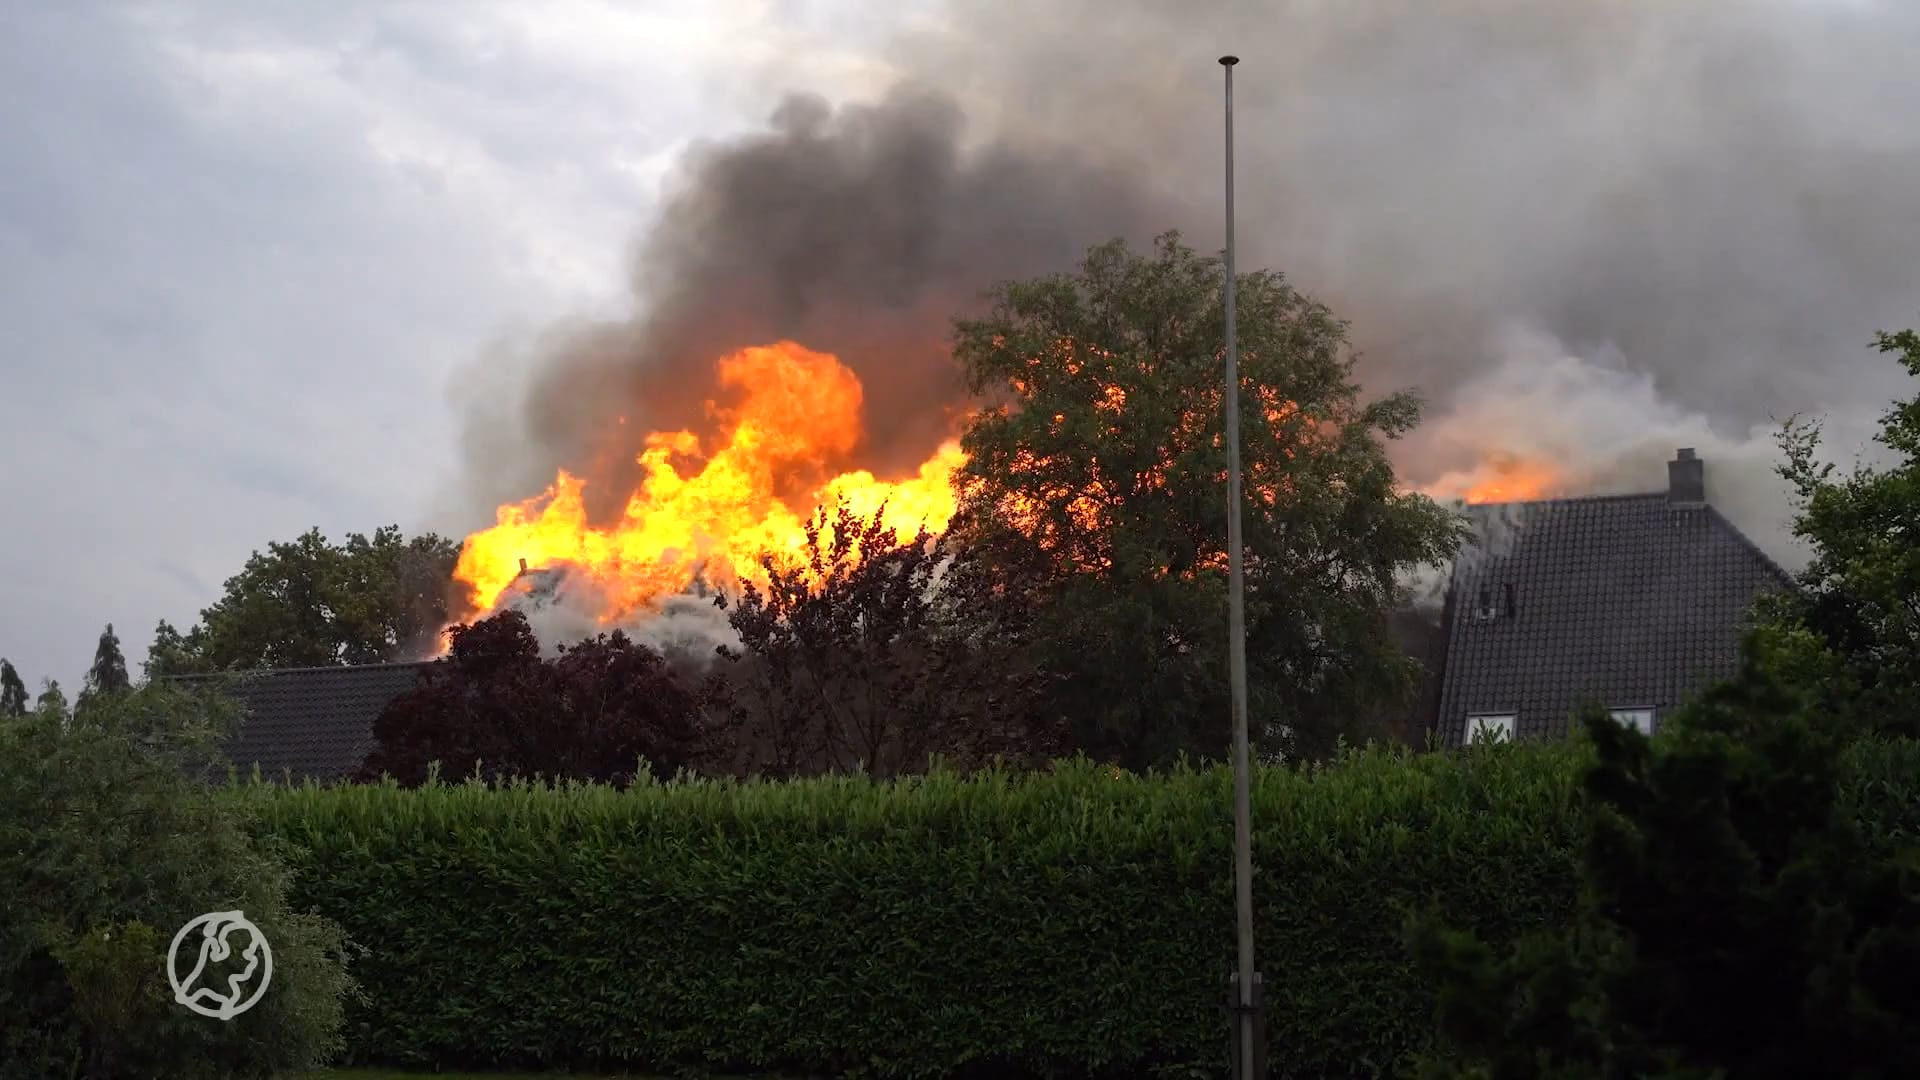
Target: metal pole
(1246, 1022)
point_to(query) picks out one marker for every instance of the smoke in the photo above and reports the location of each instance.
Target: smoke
(1714, 195)
(561, 610)
(859, 230)
(1590, 232)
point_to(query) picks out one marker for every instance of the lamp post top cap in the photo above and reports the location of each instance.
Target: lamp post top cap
(1229, 61)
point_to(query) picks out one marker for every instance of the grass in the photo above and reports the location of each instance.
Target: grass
(389, 1074)
(394, 1075)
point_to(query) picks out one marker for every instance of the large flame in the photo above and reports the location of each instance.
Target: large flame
(713, 508)
(716, 512)
(1501, 478)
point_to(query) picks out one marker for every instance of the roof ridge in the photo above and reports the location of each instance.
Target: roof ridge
(1615, 497)
(244, 672)
(1747, 542)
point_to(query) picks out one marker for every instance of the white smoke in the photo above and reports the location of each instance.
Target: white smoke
(1596, 426)
(564, 610)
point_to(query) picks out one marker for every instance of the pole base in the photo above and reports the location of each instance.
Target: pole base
(1254, 1015)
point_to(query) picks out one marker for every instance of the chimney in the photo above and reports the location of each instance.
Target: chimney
(1686, 480)
(523, 568)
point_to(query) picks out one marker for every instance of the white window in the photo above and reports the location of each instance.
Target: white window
(1489, 727)
(1639, 719)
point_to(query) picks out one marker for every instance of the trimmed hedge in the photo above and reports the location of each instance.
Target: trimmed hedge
(1073, 923)
(1070, 924)
(1062, 925)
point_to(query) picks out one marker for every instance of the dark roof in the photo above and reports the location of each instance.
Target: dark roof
(1628, 601)
(312, 722)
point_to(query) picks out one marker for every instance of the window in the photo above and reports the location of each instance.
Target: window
(1639, 719)
(1489, 727)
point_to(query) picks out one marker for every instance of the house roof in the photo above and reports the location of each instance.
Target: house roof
(312, 722)
(1629, 601)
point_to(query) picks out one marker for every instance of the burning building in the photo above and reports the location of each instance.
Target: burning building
(1628, 602)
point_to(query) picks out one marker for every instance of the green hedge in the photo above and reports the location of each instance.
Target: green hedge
(1072, 924)
(1066, 924)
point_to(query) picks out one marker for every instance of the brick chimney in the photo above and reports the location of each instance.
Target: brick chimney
(1686, 480)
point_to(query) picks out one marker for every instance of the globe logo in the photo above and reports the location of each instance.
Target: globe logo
(230, 993)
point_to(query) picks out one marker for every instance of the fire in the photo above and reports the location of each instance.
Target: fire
(711, 507)
(1502, 478)
(1513, 480)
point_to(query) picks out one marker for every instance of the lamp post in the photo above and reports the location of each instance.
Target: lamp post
(1249, 1056)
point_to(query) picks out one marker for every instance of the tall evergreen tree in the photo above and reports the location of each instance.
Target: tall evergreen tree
(108, 675)
(13, 691)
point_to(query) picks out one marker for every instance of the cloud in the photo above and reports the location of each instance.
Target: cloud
(257, 262)
(247, 251)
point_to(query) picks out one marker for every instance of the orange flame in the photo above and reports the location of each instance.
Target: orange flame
(1506, 478)
(799, 409)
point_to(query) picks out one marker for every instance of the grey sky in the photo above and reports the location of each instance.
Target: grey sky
(262, 266)
(245, 249)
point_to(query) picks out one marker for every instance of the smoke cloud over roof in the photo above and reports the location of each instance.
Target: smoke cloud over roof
(1588, 232)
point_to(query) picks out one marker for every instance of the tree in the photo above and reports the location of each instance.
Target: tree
(311, 603)
(869, 654)
(1734, 921)
(108, 675)
(590, 713)
(111, 838)
(1098, 477)
(52, 699)
(1860, 594)
(13, 691)
(174, 653)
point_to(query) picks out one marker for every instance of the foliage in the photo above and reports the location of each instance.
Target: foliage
(52, 700)
(1736, 918)
(13, 691)
(1075, 922)
(312, 603)
(110, 839)
(108, 676)
(870, 654)
(494, 705)
(1860, 594)
(1099, 476)
(995, 923)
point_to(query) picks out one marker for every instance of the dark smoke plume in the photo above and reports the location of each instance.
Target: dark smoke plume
(1588, 231)
(859, 231)
(1593, 230)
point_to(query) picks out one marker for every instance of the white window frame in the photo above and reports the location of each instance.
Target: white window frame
(1498, 724)
(1638, 717)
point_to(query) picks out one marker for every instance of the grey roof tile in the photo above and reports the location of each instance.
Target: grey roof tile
(312, 722)
(1629, 601)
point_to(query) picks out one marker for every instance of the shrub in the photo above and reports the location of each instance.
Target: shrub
(1071, 923)
(109, 842)
(494, 705)
(1750, 906)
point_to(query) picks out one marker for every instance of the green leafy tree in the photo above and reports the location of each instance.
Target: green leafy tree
(1097, 479)
(312, 603)
(13, 691)
(1734, 921)
(1860, 594)
(108, 675)
(111, 838)
(174, 653)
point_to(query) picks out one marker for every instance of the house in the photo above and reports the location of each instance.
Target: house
(1631, 602)
(311, 723)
